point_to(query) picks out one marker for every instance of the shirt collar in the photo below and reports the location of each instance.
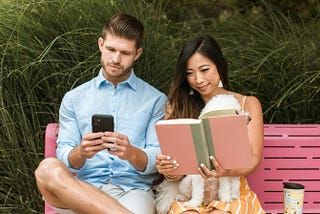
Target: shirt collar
(132, 81)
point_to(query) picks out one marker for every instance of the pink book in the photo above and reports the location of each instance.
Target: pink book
(191, 141)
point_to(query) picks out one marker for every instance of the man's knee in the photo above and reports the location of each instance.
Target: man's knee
(49, 170)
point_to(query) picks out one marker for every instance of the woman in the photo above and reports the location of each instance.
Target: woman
(201, 75)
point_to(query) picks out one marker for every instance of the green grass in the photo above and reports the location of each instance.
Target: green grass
(49, 47)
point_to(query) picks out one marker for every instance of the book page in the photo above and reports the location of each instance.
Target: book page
(180, 121)
(216, 113)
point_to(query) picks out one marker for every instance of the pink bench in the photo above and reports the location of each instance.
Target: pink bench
(291, 153)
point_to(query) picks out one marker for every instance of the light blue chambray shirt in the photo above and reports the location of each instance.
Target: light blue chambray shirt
(135, 105)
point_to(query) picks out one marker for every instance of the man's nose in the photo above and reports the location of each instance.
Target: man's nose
(116, 57)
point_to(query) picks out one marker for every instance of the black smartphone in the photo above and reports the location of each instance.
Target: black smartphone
(102, 123)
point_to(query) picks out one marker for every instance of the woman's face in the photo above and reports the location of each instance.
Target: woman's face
(202, 76)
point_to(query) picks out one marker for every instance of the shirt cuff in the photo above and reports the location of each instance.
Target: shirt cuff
(64, 157)
(151, 164)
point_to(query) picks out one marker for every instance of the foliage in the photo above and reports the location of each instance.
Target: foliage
(50, 46)
(276, 60)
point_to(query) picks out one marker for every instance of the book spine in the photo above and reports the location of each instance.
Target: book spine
(208, 136)
(200, 145)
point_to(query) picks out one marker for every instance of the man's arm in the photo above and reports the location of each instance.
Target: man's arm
(119, 145)
(91, 144)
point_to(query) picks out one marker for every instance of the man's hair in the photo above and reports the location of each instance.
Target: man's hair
(125, 26)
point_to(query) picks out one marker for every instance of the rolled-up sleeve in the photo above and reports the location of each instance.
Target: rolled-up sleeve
(69, 135)
(152, 144)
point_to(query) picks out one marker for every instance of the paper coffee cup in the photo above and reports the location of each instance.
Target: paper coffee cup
(293, 194)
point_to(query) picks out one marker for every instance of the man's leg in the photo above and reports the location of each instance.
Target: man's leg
(61, 189)
(139, 201)
(135, 200)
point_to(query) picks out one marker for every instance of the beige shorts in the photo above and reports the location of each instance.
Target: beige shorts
(142, 203)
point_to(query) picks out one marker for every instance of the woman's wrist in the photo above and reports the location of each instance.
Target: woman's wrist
(173, 177)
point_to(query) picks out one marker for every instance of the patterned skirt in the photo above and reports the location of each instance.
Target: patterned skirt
(246, 204)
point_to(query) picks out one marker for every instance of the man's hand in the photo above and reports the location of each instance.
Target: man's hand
(119, 145)
(90, 145)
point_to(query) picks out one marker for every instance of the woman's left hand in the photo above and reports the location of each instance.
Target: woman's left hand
(207, 173)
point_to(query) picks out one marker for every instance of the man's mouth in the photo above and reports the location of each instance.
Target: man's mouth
(114, 67)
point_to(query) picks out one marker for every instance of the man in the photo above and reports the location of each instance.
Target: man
(113, 170)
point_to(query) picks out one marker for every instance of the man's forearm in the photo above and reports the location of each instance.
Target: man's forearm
(139, 159)
(76, 160)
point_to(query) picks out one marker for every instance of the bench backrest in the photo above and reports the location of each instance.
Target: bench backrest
(291, 153)
(50, 147)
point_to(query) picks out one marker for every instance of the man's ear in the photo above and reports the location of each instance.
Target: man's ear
(139, 52)
(100, 43)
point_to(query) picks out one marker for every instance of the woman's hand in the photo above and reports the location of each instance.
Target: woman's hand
(218, 172)
(165, 164)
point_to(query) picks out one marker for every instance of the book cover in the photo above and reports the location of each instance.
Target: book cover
(221, 133)
(184, 141)
(228, 140)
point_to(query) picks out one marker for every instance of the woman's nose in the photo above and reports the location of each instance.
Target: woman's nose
(199, 78)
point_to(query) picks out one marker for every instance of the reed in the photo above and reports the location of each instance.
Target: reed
(50, 46)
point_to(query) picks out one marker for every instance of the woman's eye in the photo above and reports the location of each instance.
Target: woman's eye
(204, 69)
(189, 72)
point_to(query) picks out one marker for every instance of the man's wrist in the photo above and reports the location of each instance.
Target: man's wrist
(75, 158)
(138, 159)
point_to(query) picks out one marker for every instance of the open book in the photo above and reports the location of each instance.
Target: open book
(220, 133)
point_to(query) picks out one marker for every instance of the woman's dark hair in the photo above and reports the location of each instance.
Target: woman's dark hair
(184, 105)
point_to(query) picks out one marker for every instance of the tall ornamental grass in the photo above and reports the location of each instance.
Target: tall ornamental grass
(50, 46)
(277, 60)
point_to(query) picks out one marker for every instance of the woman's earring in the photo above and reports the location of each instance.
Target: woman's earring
(191, 92)
(220, 85)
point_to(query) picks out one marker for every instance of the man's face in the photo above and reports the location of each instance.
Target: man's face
(117, 57)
